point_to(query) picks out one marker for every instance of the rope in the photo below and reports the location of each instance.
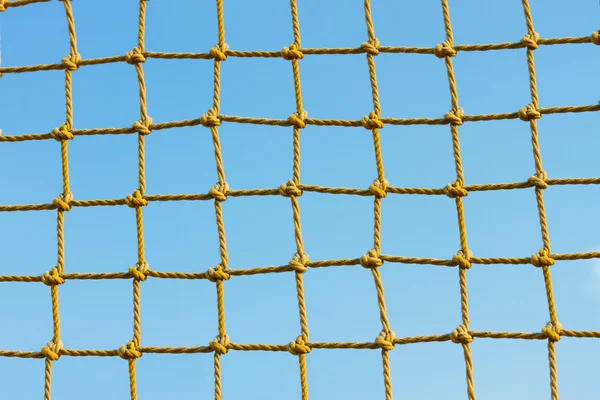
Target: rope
(299, 263)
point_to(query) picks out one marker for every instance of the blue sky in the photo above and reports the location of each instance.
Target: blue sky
(341, 302)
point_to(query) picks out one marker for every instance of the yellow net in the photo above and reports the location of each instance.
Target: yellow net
(293, 189)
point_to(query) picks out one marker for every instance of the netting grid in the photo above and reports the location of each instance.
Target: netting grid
(299, 263)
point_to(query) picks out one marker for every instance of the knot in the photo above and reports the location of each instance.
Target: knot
(530, 40)
(217, 274)
(52, 277)
(2, 5)
(135, 56)
(528, 113)
(298, 347)
(136, 200)
(371, 260)
(552, 332)
(455, 189)
(298, 262)
(385, 340)
(219, 191)
(539, 180)
(461, 335)
(129, 351)
(63, 202)
(138, 271)
(289, 189)
(63, 132)
(292, 52)
(595, 37)
(219, 344)
(210, 119)
(218, 52)
(372, 121)
(444, 49)
(371, 47)
(379, 188)
(454, 116)
(297, 119)
(462, 260)
(71, 62)
(542, 259)
(52, 350)
(143, 126)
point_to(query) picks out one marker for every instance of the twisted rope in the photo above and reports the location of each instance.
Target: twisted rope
(293, 189)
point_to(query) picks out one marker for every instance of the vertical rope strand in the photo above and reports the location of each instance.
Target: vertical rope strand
(372, 122)
(144, 118)
(136, 57)
(298, 262)
(446, 51)
(53, 278)
(220, 194)
(530, 41)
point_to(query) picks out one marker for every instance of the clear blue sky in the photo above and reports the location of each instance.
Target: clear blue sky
(341, 302)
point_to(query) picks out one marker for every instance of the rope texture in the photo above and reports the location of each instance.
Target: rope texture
(293, 189)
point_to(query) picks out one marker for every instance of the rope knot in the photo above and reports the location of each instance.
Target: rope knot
(529, 112)
(52, 277)
(552, 332)
(539, 180)
(143, 126)
(385, 340)
(2, 5)
(542, 259)
(129, 351)
(63, 132)
(371, 259)
(455, 189)
(462, 260)
(444, 49)
(138, 271)
(372, 121)
(461, 335)
(297, 119)
(371, 47)
(219, 344)
(595, 37)
(530, 40)
(210, 119)
(219, 52)
(455, 116)
(71, 62)
(298, 262)
(135, 56)
(379, 188)
(289, 189)
(136, 200)
(217, 274)
(63, 202)
(52, 350)
(292, 52)
(219, 191)
(298, 347)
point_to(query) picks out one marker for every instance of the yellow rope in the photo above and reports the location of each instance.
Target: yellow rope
(293, 189)
(542, 259)
(457, 191)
